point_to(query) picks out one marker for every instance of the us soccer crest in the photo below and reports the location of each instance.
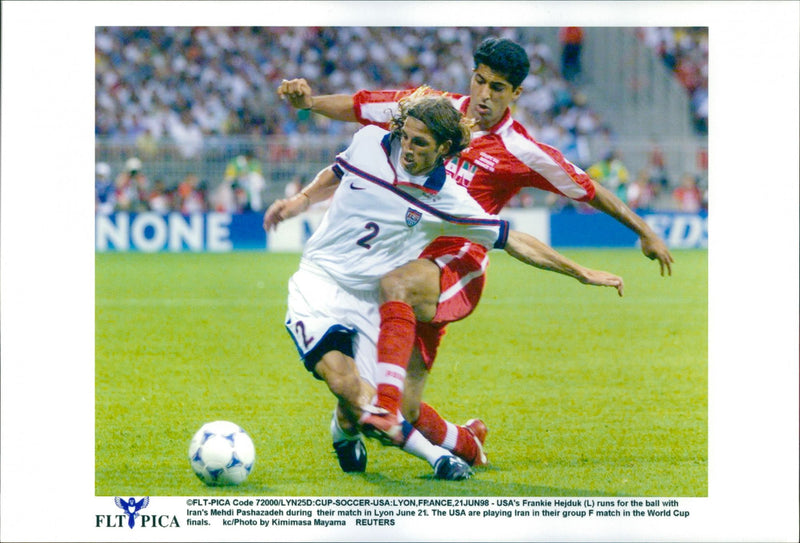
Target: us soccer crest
(413, 216)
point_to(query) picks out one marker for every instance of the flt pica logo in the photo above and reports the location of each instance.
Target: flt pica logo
(132, 518)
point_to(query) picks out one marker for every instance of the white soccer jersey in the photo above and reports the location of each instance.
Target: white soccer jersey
(380, 218)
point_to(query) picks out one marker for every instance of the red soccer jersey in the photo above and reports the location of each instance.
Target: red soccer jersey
(498, 162)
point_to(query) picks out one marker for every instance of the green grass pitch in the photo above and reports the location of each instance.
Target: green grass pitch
(584, 393)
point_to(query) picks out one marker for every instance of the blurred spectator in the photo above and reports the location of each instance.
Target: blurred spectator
(612, 173)
(525, 197)
(604, 142)
(232, 124)
(684, 51)
(159, 199)
(699, 106)
(640, 193)
(223, 198)
(103, 189)
(244, 174)
(187, 135)
(687, 196)
(132, 187)
(657, 167)
(147, 144)
(571, 40)
(191, 196)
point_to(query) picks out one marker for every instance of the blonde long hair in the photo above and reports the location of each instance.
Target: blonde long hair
(439, 115)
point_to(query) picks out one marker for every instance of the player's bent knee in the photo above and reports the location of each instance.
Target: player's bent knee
(417, 284)
(341, 376)
(394, 288)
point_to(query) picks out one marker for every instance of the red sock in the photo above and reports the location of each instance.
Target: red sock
(395, 343)
(465, 445)
(436, 429)
(431, 424)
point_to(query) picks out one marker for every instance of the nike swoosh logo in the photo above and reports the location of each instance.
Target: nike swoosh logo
(352, 186)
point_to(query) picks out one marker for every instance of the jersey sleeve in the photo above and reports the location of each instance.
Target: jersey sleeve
(377, 107)
(498, 230)
(544, 167)
(569, 179)
(491, 233)
(463, 217)
(358, 138)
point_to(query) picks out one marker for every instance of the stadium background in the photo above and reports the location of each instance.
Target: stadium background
(186, 103)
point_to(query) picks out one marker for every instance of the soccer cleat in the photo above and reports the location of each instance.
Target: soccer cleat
(385, 427)
(451, 468)
(478, 430)
(352, 455)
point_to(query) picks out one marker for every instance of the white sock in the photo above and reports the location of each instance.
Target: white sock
(337, 434)
(451, 438)
(418, 445)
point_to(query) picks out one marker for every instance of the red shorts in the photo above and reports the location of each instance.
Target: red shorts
(463, 274)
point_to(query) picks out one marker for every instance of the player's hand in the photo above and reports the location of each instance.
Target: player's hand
(297, 92)
(603, 279)
(280, 210)
(654, 248)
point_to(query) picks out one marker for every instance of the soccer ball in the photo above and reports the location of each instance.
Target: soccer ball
(221, 453)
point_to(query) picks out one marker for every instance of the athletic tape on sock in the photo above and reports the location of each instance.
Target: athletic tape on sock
(390, 374)
(451, 438)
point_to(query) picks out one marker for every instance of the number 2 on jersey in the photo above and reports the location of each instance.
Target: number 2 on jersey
(373, 231)
(300, 330)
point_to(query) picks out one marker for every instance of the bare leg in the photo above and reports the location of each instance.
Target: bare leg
(341, 375)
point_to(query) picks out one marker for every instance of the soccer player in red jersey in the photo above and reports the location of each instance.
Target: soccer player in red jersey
(445, 284)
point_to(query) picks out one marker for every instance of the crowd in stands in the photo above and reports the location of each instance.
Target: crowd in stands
(132, 190)
(684, 50)
(188, 84)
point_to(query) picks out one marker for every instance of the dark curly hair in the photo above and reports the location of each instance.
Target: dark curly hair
(504, 57)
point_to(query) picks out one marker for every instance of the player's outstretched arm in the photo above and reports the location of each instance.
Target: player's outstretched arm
(336, 106)
(653, 247)
(321, 188)
(533, 252)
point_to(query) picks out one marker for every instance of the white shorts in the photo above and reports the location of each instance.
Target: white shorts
(318, 306)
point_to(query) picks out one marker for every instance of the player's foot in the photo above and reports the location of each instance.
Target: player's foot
(478, 430)
(352, 455)
(385, 427)
(451, 468)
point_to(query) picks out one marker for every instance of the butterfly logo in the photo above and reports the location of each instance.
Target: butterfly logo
(132, 507)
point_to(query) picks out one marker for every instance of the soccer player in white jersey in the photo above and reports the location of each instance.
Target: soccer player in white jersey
(391, 197)
(422, 297)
